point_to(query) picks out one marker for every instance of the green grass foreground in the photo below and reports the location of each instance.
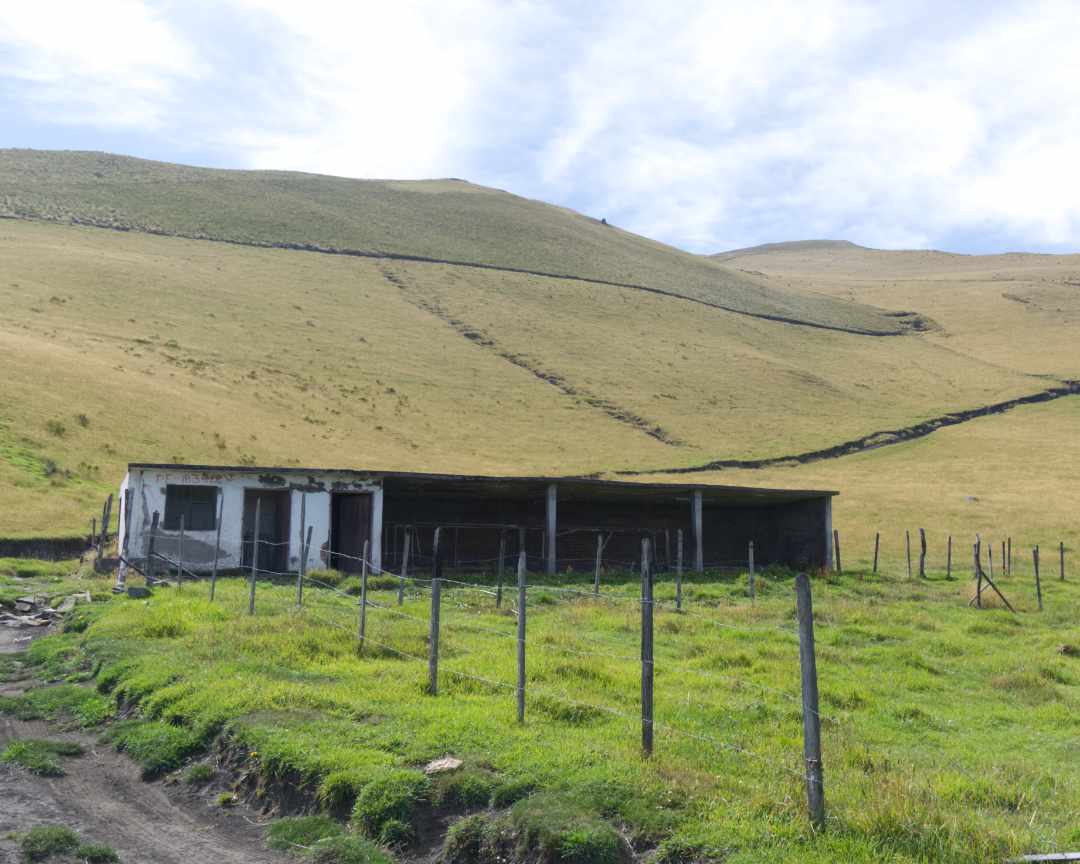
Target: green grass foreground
(949, 733)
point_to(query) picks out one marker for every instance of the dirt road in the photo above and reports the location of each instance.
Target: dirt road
(102, 798)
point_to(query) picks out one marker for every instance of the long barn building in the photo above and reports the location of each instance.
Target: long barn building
(562, 521)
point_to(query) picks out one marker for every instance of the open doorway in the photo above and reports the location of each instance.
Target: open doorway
(350, 527)
(273, 506)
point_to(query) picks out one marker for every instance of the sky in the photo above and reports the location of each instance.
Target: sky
(707, 125)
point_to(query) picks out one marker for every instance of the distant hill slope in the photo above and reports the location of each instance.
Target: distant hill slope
(440, 220)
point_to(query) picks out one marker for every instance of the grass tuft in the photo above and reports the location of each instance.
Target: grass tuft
(301, 832)
(39, 756)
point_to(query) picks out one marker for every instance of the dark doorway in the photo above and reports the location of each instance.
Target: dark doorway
(350, 526)
(273, 528)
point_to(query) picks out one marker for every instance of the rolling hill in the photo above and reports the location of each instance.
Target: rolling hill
(439, 325)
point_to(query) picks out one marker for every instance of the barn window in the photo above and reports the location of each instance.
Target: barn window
(197, 504)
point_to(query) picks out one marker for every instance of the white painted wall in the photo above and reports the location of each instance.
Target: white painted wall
(148, 487)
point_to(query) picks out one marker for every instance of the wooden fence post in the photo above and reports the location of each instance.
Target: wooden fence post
(433, 633)
(1038, 583)
(678, 568)
(217, 542)
(990, 560)
(521, 627)
(836, 547)
(753, 587)
(922, 553)
(646, 651)
(363, 599)
(976, 557)
(599, 560)
(151, 562)
(406, 545)
(1007, 563)
(907, 547)
(254, 555)
(303, 551)
(499, 569)
(180, 555)
(1004, 561)
(877, 548)
(815, 786)
(1061, 553)
(948, 558)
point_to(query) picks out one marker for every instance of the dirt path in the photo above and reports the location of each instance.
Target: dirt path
(102, 798)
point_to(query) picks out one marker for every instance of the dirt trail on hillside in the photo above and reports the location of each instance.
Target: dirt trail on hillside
(102, 798)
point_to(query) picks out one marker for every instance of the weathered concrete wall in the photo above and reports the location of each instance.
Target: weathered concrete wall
(148, 495)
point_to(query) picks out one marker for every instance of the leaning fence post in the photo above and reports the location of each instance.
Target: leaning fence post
(678, 569)
(254, 556)
(599, 561)
(303, 551)
(815, 786)
(180, 555)
(877, 548)
(907, 546)
(753, 588)
(407, 543)
(433, 633)
(499, 575)
(976, 551)
(1038, 583)
(836, 546)
(521, 627)
(217, 543)
(363, 599)
(922, 553)
(948, 558)
(646, 651)
(151, 562)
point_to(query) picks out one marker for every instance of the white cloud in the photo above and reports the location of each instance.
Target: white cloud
(708, 125)
(111, 64)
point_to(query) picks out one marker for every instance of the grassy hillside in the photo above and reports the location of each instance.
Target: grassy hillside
(439, 219)
(125, 346)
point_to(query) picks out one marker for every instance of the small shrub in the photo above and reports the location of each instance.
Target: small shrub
(39, 756)
(226, 799)
(327, 577)
(82, 420)
(46, 841)
(55, 427)
(395, 795)
(348, 849)
(465, 840)
(463, 790)
(157, 747)
(300, 831)
(199, 774)
(511, 792)
(96, 853)
(396, 834)
(338, 791)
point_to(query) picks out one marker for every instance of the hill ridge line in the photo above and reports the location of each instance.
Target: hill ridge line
(888, 437)
(422, 259)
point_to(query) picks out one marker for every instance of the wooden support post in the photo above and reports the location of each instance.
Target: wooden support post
(303, 551)
(1038, 583)
(1008, 558)
(1004, 561)
(922, 553)
(552, 525)
(753, 587)
(699, 541)
(877, 548)
(948, 558)
(646, 651)
(599, 561)
(678, 568)
(151, 562)
(180, 555)
(499, 569)
(217, 543)
(990, 560)
(405, 546)
(667, 549)
(433, 632)
(121, 571)
(907, 546)
(362, 625)
(1061, 565)
(836, 548)
(254, 556)
(976, 556)
(815, 786)
(521, 603)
